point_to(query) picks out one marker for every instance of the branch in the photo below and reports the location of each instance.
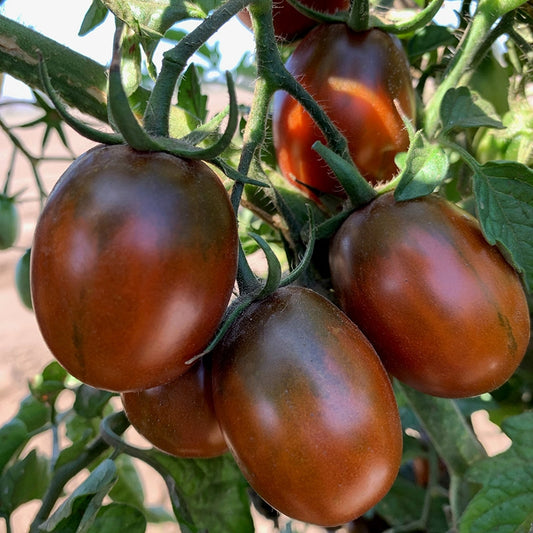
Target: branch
(80, 81)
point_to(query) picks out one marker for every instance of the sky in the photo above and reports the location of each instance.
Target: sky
(61, 20)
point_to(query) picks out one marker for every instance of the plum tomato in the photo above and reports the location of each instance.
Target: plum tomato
(132, 266)
(444, 310)
(291, 24)
(9, 222)
(178, 417)
(356, 77)
(307, 408)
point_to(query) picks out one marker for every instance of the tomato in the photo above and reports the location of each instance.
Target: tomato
(291, 24)
(132, 266)
(444, 310)
(9, 222)
(178, 417)
(355, 77)
(307, 408)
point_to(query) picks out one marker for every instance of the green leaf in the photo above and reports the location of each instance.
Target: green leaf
(95, 15)
(90, 402)
(190, 95)
(505, 501)
(130, 64)
(504, 198)
(25, 480)
(212, 490)
(118, 517)
(34, 413)
(430, 38)
(461, 108)
(13, 435)
(128, 488)
(79, 510)
(425, 166)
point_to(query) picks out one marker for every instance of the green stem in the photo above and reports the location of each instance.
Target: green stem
(67, 471)
(447, 428)
(156, 118)
(80, 81)
(359, 16)
(460, 65)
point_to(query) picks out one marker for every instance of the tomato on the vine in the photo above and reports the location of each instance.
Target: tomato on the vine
(178, 417)
(291, 24)
(358, 78)
(307, 408)
(132, 266)
(444, 310)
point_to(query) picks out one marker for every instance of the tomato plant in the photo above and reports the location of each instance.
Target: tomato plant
(178, 417)
(137, 253)
(357, 76)
(307, 408)
(291, 24)
(445, 311)
(236, 231)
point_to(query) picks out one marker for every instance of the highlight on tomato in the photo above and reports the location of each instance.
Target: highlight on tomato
(178, 417)
(443, 308)
(132, 266)
(307, 408)
(291, 24)
(359, 78)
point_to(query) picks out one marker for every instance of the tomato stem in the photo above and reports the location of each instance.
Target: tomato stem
(156, 118)
(359, 15)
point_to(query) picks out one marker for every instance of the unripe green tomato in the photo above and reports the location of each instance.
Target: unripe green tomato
(22, 279)
(9, 222)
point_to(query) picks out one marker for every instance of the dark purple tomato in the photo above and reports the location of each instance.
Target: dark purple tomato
(306, 408)
(444, 310)
(178, 417)
(132, 266)
(355, 76)
(291, 24)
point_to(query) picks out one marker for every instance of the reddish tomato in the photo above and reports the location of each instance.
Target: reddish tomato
(289, 23)
(307, 408)
(133, 263)
(356, 77)
(178, 417)
(445, 311)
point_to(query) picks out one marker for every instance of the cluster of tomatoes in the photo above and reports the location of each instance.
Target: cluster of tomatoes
(134, 262)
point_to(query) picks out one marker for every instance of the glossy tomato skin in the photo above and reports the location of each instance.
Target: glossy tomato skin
(443, 309)
(289, 23)
(132, 266)
(307, 408)
(178, 417)
(355, 76)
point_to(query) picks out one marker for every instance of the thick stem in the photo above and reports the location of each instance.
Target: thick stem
(156, 119)
(80, 81)
(359, 17)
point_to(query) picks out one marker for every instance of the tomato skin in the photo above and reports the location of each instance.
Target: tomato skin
(178, 417)
(444, 310)
(355, 76)
(307, 408)
(132, 266)
(289, 23)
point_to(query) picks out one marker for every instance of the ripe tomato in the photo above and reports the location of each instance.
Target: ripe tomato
(132, 266)
(307, 408)
(355, 77)
(289, 23)
(444, 310)
(178, 417)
